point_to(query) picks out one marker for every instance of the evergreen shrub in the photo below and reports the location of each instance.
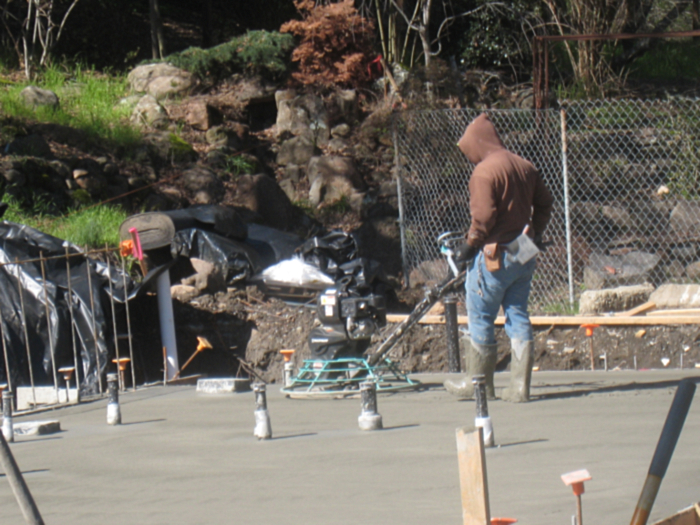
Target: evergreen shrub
(260, 52)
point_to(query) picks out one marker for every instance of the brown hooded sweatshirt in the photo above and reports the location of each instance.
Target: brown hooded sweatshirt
(506, 192)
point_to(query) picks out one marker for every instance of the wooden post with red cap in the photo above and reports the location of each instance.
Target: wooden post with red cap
(589, 333)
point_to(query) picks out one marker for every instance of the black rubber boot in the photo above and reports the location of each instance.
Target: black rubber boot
(522, 356)
(479, 359)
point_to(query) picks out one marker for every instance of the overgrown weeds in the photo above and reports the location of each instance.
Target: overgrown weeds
(92, 227)
(89, 101)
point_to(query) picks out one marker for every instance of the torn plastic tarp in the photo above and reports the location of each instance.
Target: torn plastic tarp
(22, 243)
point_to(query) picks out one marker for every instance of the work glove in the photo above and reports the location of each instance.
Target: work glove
(464, 253)
(541, 244)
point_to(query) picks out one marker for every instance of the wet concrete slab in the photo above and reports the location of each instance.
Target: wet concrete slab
(181, 457)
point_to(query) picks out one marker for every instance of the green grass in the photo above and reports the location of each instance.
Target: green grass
(89, 101)
(91, 227)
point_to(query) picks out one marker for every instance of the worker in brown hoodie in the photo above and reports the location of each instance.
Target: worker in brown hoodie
(510, 208)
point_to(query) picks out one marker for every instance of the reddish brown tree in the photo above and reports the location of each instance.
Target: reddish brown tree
(335, 44)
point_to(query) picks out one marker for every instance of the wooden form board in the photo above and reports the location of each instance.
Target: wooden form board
(472, 476)
(689, 516)
(571, 320)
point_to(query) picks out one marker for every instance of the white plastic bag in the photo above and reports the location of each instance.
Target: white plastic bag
(295, 272)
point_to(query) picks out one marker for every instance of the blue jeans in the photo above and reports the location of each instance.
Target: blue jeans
(487, 291)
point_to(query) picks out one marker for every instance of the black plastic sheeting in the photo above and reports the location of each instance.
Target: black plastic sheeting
(236, 260)
(336, 255)
(22, 243)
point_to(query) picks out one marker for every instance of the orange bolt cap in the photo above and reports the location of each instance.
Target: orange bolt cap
(589, 328)
(287, 354)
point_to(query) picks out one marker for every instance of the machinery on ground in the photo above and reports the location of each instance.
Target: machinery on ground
(349, 315)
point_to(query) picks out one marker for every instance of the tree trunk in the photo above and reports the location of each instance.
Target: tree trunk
(157, 41)
(424, 31)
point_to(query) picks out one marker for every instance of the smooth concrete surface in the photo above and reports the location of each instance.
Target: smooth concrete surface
(186, 458)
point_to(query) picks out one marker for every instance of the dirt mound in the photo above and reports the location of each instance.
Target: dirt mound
(242, 324)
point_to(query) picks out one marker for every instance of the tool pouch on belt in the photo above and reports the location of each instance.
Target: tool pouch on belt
(492, 256)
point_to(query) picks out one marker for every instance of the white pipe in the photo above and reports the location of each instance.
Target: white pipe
(167, 323)
(567, 217)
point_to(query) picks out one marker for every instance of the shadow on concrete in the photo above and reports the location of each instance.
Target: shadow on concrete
(516, 443)
(142, 422)
(424, 387)
(399, 427)
(25, 472)
(38, 438)
(581, 389)
(276, 438)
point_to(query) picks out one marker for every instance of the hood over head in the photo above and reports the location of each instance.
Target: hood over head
(480, 139)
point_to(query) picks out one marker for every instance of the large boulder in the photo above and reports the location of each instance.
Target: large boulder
(606, 271)
(202, 116)
(252, 90)
(685, 220)
(332, 178)
(148, 112)
(297, 150)
(303, 115)
(676, 296)
(161, 80)
(614, 299)
(34, 97)
(204, 184)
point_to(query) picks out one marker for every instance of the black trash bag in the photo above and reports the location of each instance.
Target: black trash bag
(329, 252)
(22, 243)
(236, 261)
(271, 244)
(364, 275)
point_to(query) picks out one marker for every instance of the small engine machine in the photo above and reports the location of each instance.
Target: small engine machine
(348, 319)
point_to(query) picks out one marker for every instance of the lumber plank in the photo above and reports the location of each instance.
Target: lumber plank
(472, 477)
(642, 308)
(676, 312)
(572, 320)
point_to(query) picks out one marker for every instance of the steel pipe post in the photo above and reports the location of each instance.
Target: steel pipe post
(369, 418)
(452, 332)
(114, 415)
(263, 429)
(482, 420)
(7, 427)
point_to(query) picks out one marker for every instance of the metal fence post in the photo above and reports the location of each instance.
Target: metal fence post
(567, 207)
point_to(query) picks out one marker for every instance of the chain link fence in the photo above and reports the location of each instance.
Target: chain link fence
(625, 176)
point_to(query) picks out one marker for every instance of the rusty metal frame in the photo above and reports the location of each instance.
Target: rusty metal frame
(540, 56)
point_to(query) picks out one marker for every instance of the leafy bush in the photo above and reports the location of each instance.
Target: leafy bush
(335, 47)
(669, 60)
(259, 52)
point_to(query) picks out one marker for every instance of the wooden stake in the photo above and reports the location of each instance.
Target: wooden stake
(472, 476)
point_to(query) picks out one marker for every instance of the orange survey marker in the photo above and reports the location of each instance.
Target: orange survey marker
(202, 344)
(589, 333)
(287, 354)
(575, 481)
